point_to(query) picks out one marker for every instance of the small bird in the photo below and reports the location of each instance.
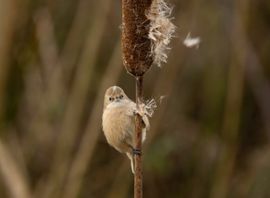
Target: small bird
(118, 122)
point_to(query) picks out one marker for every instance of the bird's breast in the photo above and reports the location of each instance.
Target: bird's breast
(118, 125)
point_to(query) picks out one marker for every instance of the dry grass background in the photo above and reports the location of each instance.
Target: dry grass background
(209, 136)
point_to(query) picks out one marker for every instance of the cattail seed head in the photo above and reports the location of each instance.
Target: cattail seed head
(146, 33)
(136, 45)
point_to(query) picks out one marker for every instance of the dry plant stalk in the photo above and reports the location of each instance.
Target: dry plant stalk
(137, 59)
(138, 177)
(146, 33)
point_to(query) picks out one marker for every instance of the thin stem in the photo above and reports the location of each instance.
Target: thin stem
(12, 174)
(138, 177)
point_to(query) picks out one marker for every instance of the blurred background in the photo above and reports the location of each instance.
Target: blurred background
(209, 136)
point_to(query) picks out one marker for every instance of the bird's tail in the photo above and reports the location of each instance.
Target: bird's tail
(130, 156)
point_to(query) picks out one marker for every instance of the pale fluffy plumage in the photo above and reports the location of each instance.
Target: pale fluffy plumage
(118, 121)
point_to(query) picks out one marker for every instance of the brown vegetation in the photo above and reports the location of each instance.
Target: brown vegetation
(208, 138)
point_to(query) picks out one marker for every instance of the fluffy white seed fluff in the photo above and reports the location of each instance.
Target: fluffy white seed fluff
(147, 108)
(161, 30)
(192, 42)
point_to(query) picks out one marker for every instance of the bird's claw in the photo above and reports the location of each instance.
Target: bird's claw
(136, 151)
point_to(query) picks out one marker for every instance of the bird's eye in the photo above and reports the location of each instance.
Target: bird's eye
(121, 96)
(111, 98)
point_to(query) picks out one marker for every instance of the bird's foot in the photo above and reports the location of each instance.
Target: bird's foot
(136, 151)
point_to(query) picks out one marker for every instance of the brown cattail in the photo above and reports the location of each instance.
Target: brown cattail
(136, 44)
(146, 33)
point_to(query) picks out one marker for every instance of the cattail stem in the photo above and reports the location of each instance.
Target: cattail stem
(138, 177)
(146, 32)
(137, 59)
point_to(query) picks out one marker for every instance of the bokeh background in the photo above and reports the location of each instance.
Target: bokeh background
(209, 136)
